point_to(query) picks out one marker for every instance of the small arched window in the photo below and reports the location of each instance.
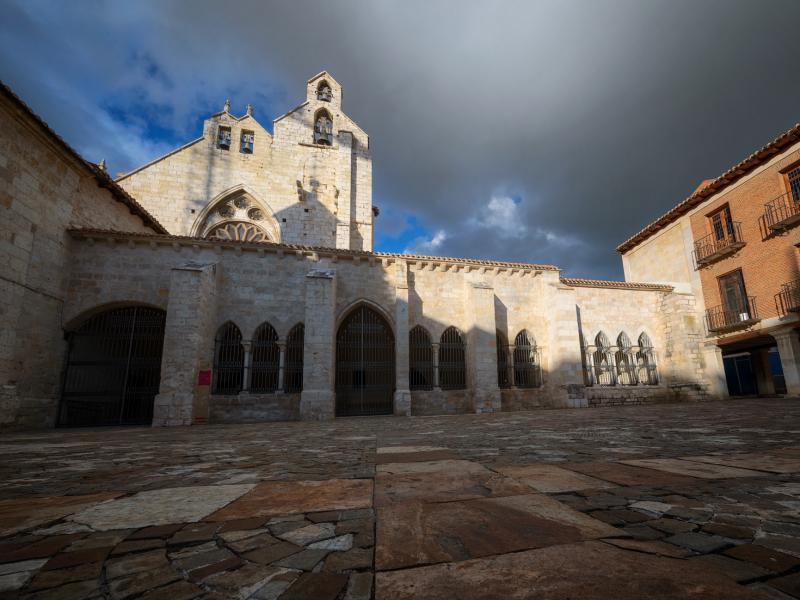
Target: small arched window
(452, 360)
(603, 360)
(323, 128)
(293, 374)
(527, 370)
(503, 377)
(265, 360)
(626, 368)
(228, 360)
(324, 92)
(420, 359)
(646, 361)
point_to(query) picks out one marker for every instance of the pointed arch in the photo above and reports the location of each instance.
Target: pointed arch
(603, 360)
(323, 128)
(527, 368)
(235, 212)
(504, 376)
(264, 360)
(624, 361)
(228, 360)
(452, 360)
(646, 367)
(420, 359)
(324, 91)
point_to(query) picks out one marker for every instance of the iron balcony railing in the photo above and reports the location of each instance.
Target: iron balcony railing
(720, 319)
(710, 248)
(783, 212)
(789, 297)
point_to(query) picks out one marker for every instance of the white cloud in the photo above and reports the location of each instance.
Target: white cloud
(427, 246)
(503, 216)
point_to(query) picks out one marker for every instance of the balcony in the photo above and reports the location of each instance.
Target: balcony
(789, 297)
(721, 319)
(782, 213)
(710, 248)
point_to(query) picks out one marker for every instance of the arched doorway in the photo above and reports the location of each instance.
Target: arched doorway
(364, 365)
(113, 368)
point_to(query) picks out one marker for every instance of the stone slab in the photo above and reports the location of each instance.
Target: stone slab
(552, 479)
(405, 457)
(407, 449)
(293, 497)
(755, 461)
(443, 487)
(588, 571)
(24, 513)
(627, 475)
(451, 467)
(415, 533)
(692, 469)
(160, 507)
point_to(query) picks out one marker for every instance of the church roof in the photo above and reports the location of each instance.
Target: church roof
(103, 179)
(732, 175)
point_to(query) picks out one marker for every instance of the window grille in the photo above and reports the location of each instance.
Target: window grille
(224, 138)
(323, 129)
(503, 380)
(527, 371)
(452, 369)
(603, 361)
(293, 374)
(794, 183)
(248, 141)
(646, 361)
(420, 359)
(626, 366)
(228, 360)
(265, 360)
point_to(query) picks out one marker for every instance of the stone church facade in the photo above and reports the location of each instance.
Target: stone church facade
(234, 279)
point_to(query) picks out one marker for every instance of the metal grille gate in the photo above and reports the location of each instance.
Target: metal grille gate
(113, 369)
(364, 365)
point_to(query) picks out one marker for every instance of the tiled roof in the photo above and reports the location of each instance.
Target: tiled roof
(103, 179)
(623, 285)
(732, 175)
(82, 232)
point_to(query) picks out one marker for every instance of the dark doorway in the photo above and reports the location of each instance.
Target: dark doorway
(113, 368)
(740, 375)
(364, 365)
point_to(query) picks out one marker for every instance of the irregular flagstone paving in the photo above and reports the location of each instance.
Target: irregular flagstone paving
(660, 501)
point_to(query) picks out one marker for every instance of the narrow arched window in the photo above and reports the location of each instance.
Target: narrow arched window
(646, 361)
(265, 360)
(324, 92)
(527, 370)
(420, 359)
(626, 367)
(603, 359)
(503, 378)
(323, 128)
(293, 374)
(228, 360)
(452, 360)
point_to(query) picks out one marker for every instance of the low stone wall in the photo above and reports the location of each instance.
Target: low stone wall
(254, 408)
(440, 402)
(624, 396)
(515, 399)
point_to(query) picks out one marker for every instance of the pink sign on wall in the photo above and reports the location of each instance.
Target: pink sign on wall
(204, 377)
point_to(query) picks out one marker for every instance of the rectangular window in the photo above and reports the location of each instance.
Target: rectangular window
(248, 139)
(733, 293)
(721, 223)
(224, 138)
(794, 183)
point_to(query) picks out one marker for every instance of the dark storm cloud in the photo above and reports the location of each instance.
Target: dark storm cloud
(536, 131)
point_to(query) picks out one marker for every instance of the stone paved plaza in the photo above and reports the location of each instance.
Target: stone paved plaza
(680, 500)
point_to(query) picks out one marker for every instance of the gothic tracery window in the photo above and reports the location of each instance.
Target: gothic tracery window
(646, 361)
(238, 232)
(228, 360)
(452, 360)
(603, 359)
(265, 360)
(323, 128)
(420, 359)
(626, 368)
(527, 370)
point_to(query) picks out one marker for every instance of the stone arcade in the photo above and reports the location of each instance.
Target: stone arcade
(233, 279)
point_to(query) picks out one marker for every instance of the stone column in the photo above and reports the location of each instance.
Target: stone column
(281, 366)
(482, 349)
(188, 346)
(248, 363)
(789, 350)
(435, 351)
(402, 393)
(766, 384)
(318, 398)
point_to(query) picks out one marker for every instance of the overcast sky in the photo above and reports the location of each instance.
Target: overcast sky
(539, 131)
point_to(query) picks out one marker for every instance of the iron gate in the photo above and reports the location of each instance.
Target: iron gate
(113, 368)
(364, 365)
